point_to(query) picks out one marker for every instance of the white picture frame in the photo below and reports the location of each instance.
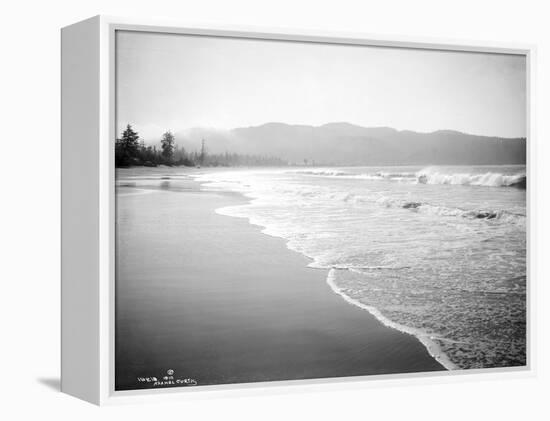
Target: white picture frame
(88, 208)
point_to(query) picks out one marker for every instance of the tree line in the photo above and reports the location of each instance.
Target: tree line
(130, 150)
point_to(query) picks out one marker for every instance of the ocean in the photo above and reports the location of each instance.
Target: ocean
(437, 252)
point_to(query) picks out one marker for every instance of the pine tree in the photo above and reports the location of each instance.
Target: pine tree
(167, 145)
(127, 147)
(130, 141)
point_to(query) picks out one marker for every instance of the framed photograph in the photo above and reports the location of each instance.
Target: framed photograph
(245, 208)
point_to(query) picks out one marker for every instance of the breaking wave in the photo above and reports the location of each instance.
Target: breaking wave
(431, 175)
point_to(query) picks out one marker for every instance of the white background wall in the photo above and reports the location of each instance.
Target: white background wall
(29, 207)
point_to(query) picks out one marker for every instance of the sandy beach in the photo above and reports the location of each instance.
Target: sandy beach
(216, 301)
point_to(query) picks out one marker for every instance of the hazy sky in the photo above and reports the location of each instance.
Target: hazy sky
(174, 82)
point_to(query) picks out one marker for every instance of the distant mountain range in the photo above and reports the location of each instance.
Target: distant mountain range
(348, 144)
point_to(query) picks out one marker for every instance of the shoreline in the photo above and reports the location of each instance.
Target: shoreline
(242, 308)
(432, 347)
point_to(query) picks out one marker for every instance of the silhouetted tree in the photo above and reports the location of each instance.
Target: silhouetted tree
(167, 145)
(127, 148)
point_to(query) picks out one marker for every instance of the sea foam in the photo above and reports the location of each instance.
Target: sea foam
(405, 253)
(429, 175)
(425, 338)
(434, 175)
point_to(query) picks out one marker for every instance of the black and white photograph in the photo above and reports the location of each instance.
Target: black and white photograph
(291, 210)
(275, 210)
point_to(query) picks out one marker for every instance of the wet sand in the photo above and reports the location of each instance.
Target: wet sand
(216, 301)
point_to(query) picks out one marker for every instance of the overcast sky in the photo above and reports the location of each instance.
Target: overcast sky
(174, 82)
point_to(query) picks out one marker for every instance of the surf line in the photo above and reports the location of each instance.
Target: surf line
(425, 339)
